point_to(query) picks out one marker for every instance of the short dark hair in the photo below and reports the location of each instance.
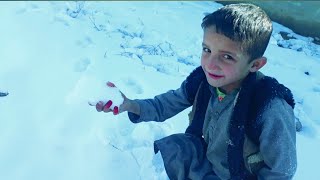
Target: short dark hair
(244, 23)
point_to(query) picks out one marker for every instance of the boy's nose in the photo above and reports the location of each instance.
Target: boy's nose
(213, 62)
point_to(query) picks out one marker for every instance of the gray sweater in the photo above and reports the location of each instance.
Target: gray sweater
(277, 140)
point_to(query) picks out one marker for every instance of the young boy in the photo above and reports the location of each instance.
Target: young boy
(242, 124)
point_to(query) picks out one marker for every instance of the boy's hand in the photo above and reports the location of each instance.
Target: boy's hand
(106, 108)
(100, 106)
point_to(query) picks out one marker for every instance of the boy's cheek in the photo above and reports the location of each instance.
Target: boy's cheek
(205, 65)
(202, 61)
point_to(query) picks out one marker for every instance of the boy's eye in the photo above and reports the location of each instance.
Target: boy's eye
(228, 57)
(206, 50)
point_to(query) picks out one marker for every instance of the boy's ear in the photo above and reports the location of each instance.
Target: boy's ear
(257, 64)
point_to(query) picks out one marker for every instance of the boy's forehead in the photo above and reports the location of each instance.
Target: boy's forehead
(211, 31)
(210, 37)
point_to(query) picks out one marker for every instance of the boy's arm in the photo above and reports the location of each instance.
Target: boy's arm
(161, 107)
(278, 141)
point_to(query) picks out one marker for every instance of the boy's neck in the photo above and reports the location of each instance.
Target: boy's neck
(229, 90)
(221, 90)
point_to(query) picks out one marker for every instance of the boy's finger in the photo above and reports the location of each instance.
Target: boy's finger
(107, 110)
(115, 110)
(107, 106)
(99, 106)
(110, 84)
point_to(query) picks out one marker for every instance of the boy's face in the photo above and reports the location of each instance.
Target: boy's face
(223, 62)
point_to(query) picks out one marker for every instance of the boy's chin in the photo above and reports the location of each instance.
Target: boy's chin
(214, 84)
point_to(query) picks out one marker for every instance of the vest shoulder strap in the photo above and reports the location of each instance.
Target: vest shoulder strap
(193, 82)
(199, 108)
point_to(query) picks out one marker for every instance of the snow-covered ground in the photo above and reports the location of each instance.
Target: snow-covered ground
(48, 50)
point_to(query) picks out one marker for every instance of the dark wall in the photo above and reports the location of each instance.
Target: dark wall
(303, 17)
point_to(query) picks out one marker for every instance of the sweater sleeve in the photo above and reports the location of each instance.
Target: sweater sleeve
(278, 142)
(162, 106)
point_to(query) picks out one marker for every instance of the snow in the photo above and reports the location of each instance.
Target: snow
(57, 56)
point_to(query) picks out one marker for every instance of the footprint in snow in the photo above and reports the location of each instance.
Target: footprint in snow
(134, 85)
(316, 89)
(87, 41)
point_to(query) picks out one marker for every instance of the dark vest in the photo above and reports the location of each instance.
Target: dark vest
(256, 92)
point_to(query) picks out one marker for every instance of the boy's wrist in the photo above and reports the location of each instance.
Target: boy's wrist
(133, 107)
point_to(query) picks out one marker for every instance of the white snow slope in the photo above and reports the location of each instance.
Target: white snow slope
(48, 50)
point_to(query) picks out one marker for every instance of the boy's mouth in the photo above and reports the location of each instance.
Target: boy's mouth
(214, 76)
